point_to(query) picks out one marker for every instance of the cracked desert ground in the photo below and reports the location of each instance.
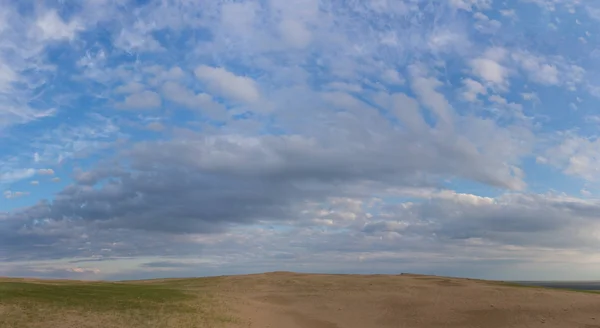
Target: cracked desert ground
(284, 299)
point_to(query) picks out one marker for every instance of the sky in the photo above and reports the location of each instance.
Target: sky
(143, 139)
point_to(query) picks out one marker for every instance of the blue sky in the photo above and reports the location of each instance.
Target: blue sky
(181, 138)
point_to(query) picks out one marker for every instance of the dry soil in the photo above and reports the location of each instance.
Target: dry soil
(290, 300)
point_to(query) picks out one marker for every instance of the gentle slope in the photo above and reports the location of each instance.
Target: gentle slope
(291, 300)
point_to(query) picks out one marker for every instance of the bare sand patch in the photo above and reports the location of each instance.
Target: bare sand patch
(358, 301)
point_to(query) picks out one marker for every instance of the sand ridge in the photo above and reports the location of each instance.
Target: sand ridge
(293, 300)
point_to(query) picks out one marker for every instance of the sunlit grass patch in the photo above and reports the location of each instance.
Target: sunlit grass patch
(98, 296)
(189, 303)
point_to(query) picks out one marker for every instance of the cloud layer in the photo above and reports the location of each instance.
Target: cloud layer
(167, 138)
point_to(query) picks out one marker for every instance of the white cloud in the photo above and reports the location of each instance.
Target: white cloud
(141, 100)
(52, 27)
(227, 84)
(554, 5)
(239, 17)
(16, 175)
(10, 115)
(68, 141)
(295, 33)
(14, 194)
(84, 270)
(469, 5)
(7, 77)
(502, 101)
(472, 90)
(393, 77)
(425, 88)
(592, 119)
(135, 41)
(45, 172)
(408, 111)
(174, 73)
(490, 70)
(131, 87)
(22, 70)
(486, 25)
(34, 183)
(577, 156)
(155, 126)
(343, 86)
(202, 102)
(537, 68)
(531, 96)
(179, 94)
(448, 41)
(508, 13)
(160, 74)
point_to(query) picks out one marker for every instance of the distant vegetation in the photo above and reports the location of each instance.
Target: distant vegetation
(167, 303)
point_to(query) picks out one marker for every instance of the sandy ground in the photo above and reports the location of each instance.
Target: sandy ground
(290, 300)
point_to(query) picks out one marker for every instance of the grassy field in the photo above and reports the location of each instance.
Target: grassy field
(293, 300)
(61, 304)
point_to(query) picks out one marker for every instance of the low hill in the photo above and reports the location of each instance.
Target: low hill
(286, 299)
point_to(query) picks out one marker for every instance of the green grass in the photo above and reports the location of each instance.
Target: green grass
(97, 296)
(171, 303)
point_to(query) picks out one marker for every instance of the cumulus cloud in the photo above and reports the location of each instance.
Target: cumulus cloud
(485, 24)
(489, 67)
(201, 102)
(51, 26)
(538, 70)
(141, 100)
(131, 87)
(575, 155)
(45, 172)
(227, 84)
(133, 41)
